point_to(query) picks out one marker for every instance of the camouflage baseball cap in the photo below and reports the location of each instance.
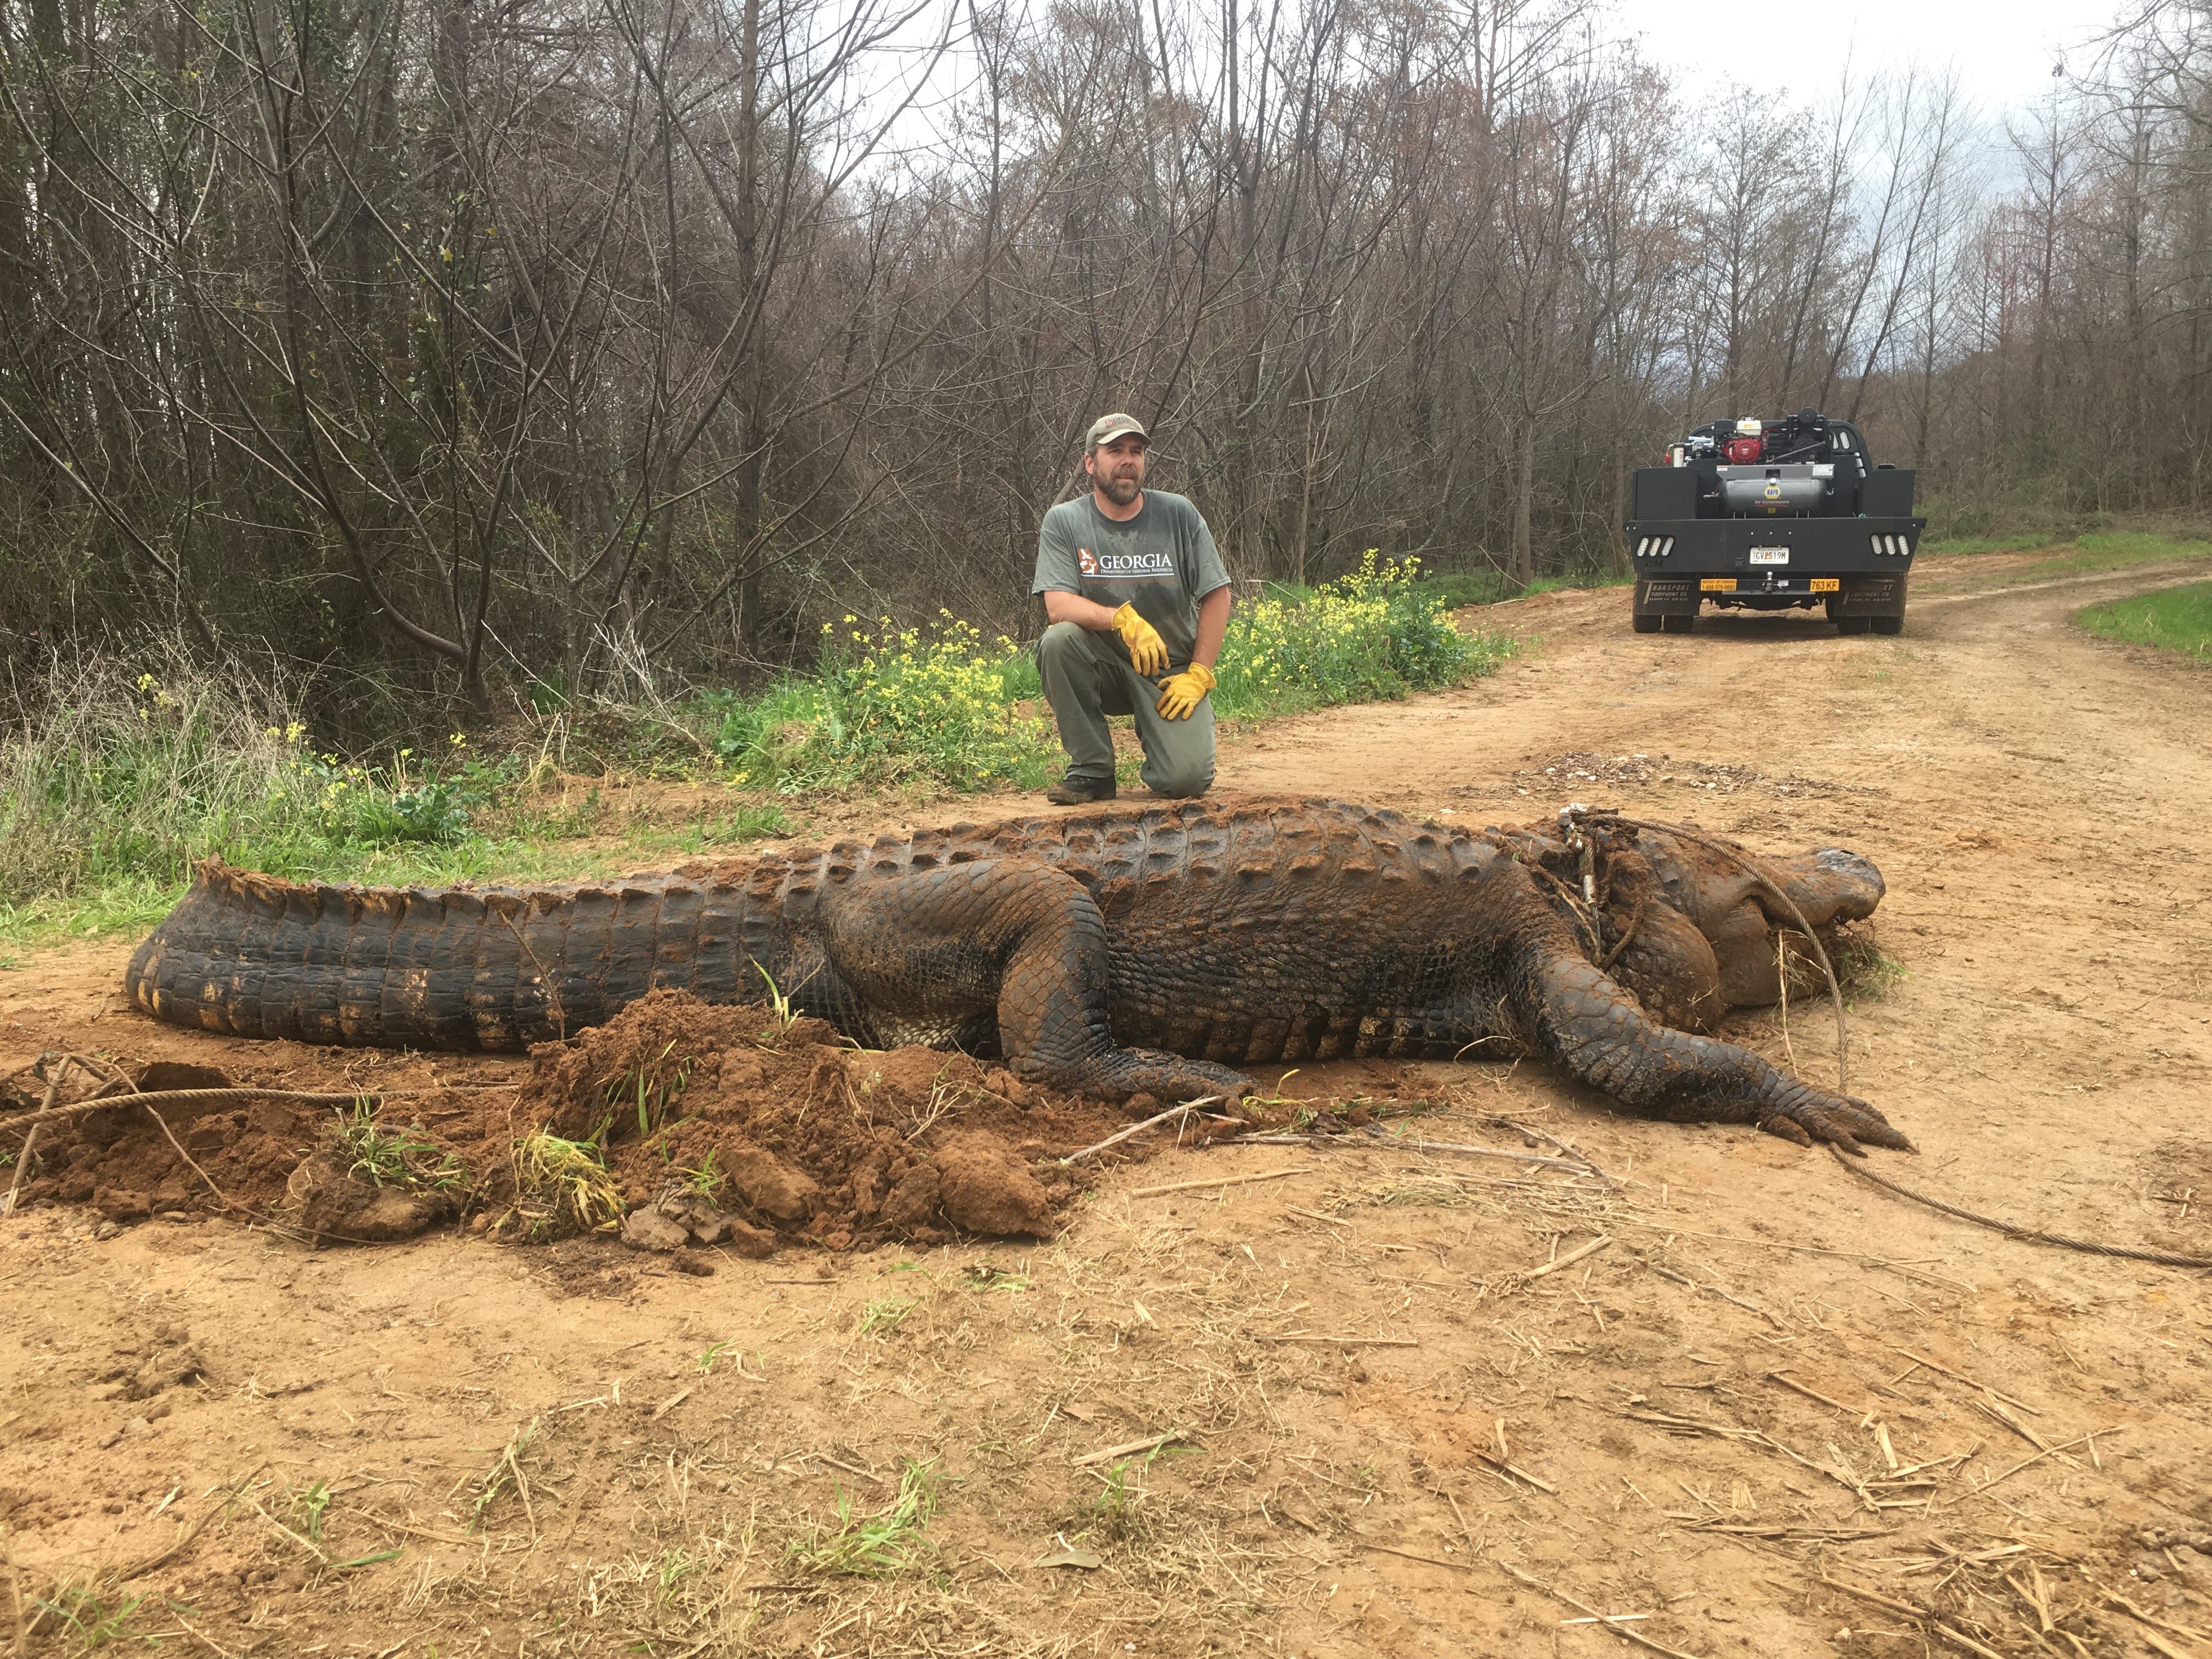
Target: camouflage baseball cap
(1107, 427)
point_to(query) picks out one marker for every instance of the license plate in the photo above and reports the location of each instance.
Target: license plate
(1826, 584)
(1717, 584)
(1770, 555)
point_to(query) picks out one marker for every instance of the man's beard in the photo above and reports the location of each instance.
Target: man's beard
(1120, 491)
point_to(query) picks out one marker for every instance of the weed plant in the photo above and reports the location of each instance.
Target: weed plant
(1379, 632)
(892, 705)
(882, 1316)
(92, 1620)
(562, 1187)
(395, 1157)
(309, 1505)
(1864, 971)
(651, 1090)
(876, 1546)
(505, 1472)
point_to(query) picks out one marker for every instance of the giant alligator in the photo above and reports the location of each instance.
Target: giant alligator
(1111, 952)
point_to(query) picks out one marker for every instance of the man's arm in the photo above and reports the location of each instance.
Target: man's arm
(1213, 625)
(1061, 606)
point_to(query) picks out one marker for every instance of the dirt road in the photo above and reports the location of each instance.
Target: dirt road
(1778, 1411)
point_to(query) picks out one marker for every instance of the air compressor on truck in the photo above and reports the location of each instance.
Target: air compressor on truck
(1773, 515)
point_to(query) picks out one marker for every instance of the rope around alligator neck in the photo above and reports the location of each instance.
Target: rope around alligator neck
(2011, 1230)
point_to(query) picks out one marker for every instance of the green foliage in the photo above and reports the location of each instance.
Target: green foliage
(2178, 619)
(505, 1472)
(1864, 971)
(1115, 1512)
(395, 1157)
(1378, 633)
(676, 1566)
(121, 781)
(652, 1090)
(91, 1619)
(875, 1545)
(892, 704)
(882, 1316)
(309, 1505)
(714, 1351)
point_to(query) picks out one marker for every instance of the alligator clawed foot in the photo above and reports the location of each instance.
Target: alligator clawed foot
(1843, 1122)
(1167, 1077)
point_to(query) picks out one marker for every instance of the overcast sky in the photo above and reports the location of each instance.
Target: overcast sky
(2003, 52)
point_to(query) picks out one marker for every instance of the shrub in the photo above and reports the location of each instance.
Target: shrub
(892, 704)
(1378, 633)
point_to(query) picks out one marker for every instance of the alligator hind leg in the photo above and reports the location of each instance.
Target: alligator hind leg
(1014, 934)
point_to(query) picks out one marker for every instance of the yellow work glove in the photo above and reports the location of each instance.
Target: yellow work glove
(1148, 651)
(1184, 692)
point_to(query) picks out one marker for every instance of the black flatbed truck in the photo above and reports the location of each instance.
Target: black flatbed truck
(1773, 515)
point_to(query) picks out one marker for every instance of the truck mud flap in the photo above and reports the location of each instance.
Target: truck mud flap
(1869, 596)
(1667, 596)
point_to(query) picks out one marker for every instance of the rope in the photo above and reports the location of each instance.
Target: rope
(1627, 934)
(210, 1099)
(2133, 1253)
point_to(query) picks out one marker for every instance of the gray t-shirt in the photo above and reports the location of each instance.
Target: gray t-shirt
(1163, 562)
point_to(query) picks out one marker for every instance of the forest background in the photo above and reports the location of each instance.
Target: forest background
(374, 373)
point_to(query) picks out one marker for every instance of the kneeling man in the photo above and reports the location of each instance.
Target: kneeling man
(1137, 603)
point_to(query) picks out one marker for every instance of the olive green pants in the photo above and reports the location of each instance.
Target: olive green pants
(1086, 678)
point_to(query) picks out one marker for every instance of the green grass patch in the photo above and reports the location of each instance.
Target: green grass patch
(2111, 549)
(89, 1619)
(2178, 619)
(1931, 548)
(1865, 971)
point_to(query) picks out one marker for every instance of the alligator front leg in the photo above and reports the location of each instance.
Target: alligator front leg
(1589, 1026)
(1012, 934)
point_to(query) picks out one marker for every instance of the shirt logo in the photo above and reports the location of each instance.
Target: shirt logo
(1127, 567)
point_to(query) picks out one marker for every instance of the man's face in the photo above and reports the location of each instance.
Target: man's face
(1117, 469)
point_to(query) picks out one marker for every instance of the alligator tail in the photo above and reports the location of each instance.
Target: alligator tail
(492, 968)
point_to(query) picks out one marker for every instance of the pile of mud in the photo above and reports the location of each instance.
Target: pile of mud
(787, 1129)
(675, 1123)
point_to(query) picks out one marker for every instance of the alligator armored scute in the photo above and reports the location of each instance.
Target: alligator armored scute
(1112, 951)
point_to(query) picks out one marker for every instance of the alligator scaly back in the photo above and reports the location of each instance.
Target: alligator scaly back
(1113, 951)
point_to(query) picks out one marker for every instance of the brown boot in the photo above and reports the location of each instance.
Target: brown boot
(1072, 791)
